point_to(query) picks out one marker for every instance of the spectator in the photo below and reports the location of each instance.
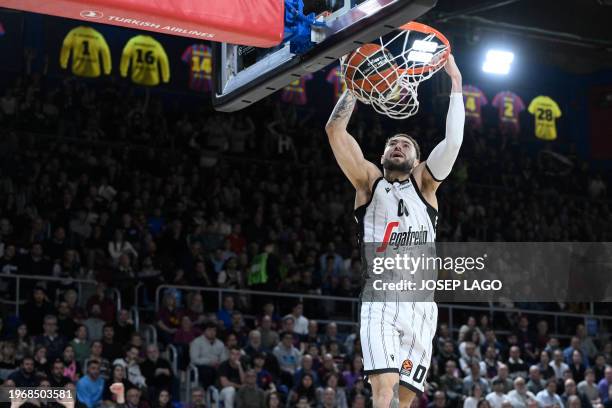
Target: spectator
(157, 371)
(520, 396)
(118, 246)
(231, 377)
(577, 366)
(50, 339)
(287, 355)
(41, 363)
(497, 397)
(162, 400)
(72, 368)
(168, 318)
(355, 373)
(111, 348)
(475, 396)
(439, 400)
(569, 351)
(269, 336)
(90, 386)
(600, 367)
(451, 384)
(492, 364)
(117, 377)
(558, 366)
(207, 352)
(65, 322)
(300, 322)
(331, 381)
(535, 383)
(34, 312)
(548, 397)
(94, 323)
(225, 313)
(329, 399)
(516, 366)
(133, 399)
(306, 368)
(475, 378)
(546, 370)
(588, 386)
(305, 389)
(25, 376)
(571, 390)
(80, 344)
(96, 354)
(124, 327)
(273, 400)
(605, 384)
(469, 357)
(197, 398)
(586, 343)
(130, 364)
(24, 346)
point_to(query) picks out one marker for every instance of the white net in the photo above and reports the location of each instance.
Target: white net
(386, 74)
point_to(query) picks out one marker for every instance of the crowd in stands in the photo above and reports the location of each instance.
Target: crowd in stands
(106, 184)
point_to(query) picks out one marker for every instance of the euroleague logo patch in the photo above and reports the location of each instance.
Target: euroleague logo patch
(406, 367)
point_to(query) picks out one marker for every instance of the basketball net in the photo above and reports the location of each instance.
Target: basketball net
(416, 53)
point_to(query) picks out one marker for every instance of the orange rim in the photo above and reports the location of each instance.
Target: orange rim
(425, 29)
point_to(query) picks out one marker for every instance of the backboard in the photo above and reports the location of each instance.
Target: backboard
(243, 75)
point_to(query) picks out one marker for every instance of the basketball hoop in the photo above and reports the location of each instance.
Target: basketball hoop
(386, 73)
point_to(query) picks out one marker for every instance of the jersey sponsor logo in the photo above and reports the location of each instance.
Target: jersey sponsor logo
(402, 209)
(387, 189)
(402, 238)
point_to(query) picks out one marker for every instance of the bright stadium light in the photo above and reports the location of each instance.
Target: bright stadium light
(498, 62)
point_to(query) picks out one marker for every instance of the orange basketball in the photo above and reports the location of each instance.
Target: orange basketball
(370, 67)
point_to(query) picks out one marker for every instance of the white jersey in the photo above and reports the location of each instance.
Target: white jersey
(397, 214)
(396, 335)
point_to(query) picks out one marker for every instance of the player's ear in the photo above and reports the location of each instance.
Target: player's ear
(416, 163)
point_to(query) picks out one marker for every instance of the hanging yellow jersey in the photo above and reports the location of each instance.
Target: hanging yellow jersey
(546, 111)
(88, 48)
(146, 57)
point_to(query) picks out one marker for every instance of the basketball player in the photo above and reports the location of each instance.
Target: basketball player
(396, 337)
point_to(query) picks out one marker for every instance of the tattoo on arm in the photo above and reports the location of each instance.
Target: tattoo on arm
(343, 108)
(395, 401)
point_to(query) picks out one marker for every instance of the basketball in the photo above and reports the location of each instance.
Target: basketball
(371, 67)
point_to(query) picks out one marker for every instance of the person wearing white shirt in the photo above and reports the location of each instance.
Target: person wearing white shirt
(558, 365)
(548, 398)
(301, 323)
(497, 397)
(520, 396)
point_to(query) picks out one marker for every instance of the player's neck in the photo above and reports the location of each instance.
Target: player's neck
(393, 175)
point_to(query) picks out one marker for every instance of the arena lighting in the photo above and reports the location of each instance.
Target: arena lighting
(498, 62)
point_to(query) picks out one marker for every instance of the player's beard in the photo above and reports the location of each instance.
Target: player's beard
(404, 167)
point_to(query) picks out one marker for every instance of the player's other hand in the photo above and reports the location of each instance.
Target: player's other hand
(451, 68)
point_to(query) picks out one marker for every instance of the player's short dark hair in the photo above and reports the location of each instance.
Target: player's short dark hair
(412, 139)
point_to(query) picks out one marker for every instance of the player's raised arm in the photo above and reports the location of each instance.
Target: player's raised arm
(346, 149)
(442, 158)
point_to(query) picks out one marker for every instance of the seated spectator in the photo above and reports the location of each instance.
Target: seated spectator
(133, 399)
(25, 376)
(305, 389)
(72, 368)
(300, 322)
(118, 246)
(331, 334)
(588, 386)
(197, 398)
(359, 390)
(520, 396)
(558, 365)
(56, 377)
(497, 397)
(516, 366)
(124, 327)
(269, 336)
(65, 321)
(8, 362)
(80, 344)
(195, 309)
(439, 400)
(249, 395)
(106, 307)
(168, 318)
(546, 371)
(117, 377)
(475, 378)
(231, 377)
(328, 399)
(492, 364)
(111, 348)
(571, 390)
(472, 338)
(50, 339)
(306, 368)
(451, 384)
(206, 353)
(183, 337)
(604, 385)
(469, 357)
(535, 383)
(96, 354)
(548, 397)
(94, 323)
(328, 366)
(288, 356)
(265, 380)
(34, 312)
(586, 343)
(331, 381)
(225, 313)
(130, 364)
(599, 367)
(569, 350)
(577, 366)
(356, 372)
(474, 397)
(158, 372)
(445, 354)
(24, 345)
(162, 400)
(503, 375)
(41, 363)
(91, 386)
